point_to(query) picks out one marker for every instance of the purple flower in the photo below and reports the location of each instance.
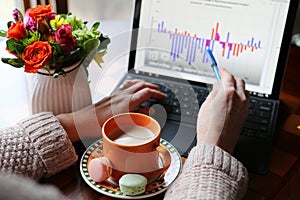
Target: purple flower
(64, 37)
(29, 23)
(16, 15)
(52, 16)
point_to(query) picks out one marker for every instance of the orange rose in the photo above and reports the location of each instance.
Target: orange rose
(41, 15)
(40, 11)
(17, 31)
(36, 56)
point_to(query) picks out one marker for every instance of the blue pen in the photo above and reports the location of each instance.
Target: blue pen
(213, 64)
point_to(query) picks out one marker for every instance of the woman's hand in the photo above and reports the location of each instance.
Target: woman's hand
(88, 121)
(129, 97)
(224, 112)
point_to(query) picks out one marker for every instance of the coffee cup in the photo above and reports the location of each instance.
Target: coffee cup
(131, 141)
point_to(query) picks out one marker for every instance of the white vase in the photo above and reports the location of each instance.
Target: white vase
(63, 94)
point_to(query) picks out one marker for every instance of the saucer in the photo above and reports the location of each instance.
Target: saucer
(111, 189)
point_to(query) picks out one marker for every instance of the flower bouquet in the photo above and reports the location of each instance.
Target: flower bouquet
(43, 39)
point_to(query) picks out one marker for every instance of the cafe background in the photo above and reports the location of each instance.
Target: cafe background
(95, 10)
(89, 10)
(92, 10)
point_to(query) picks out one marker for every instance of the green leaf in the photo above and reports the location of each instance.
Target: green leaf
(2, 33)
(91, 48)
(31, 37)
(20, 13)
(9, 24)
(10, 44)
(56, 49)
(14, 46)
(67, 60)
(91, 44)
(95, 26)
(5, 60)
(19, 48)
(16, 62)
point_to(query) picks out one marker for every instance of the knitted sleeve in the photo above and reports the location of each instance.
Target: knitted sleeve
(37, 146)
(210, 173)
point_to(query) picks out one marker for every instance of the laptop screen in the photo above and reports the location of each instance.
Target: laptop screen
(246, 37)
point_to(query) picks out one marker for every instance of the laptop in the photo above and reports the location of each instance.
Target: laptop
(250, 38)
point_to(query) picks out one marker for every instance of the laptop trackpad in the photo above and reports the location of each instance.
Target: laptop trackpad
(182, 136)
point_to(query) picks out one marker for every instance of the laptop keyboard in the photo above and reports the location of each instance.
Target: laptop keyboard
(183, 102)
(257, 123)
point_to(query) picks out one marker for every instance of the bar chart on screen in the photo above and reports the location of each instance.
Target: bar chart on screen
(194, 45)
(242, 34)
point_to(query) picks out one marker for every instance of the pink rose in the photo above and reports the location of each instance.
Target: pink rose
(64, 37)
(29, 23)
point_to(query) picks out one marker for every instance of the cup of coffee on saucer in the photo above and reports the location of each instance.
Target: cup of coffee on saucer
(131, 142)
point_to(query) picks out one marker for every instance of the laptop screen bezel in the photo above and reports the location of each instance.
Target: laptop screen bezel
(282, 59)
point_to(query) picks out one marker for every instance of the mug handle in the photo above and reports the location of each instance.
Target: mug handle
(165, 156)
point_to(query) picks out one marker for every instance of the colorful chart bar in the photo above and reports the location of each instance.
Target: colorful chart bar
(192, 44)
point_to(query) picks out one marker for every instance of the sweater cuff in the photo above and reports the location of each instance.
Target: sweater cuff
(214, 157)
(50, 141)
(217, 158)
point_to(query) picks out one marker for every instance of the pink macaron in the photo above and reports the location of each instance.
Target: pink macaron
(99, 169)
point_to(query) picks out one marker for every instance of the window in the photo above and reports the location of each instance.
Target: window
(6, 8)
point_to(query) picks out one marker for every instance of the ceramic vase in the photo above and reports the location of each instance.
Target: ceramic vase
(63, 94)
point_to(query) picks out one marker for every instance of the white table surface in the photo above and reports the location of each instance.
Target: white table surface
(14, 82)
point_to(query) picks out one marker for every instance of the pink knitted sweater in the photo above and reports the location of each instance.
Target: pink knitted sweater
(38, 146)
